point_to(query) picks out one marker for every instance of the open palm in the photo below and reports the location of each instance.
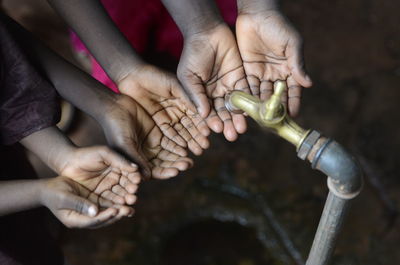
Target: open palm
(161, 95)
(130, 129)
(271, 50)
(104, 173)
(77, 207)
(209, 68)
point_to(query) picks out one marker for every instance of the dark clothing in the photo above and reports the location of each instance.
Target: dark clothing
(28, 103)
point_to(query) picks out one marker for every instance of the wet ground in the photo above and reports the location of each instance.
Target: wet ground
(253, 201)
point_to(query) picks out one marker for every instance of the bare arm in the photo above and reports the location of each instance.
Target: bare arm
(52, 147)
(19, 195)
(193, 16)
(96, 29)
(250, 6)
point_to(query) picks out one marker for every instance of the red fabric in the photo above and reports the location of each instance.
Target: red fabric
(142, 21)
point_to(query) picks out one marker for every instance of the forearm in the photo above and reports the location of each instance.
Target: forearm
(91, 22)
(51, 146)
(193, 16)
(252, 6)
(19, 195)
(71, 83)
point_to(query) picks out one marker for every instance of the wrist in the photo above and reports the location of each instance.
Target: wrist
(124, 67)
(257, 6)
(201, 25)
(42, 192)
(63, 157)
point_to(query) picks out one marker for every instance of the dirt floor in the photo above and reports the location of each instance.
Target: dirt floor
(253, 201)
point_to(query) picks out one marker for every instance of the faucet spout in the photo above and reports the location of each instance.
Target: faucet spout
(270, 114)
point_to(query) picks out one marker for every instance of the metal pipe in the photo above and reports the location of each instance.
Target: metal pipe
(344, 174)
(330, 224)
(344, 183)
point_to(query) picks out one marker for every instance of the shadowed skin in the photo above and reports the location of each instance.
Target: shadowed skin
(127, 124)
(161, 95)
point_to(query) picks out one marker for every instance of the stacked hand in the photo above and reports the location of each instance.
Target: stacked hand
(78, 207)
(271, 50)
(103, 173)
(161, 96)
(210, 67)
(130, 129)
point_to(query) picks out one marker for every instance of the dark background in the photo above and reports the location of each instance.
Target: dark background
(253, 201)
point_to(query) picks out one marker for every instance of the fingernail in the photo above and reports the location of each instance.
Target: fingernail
(134, 165)
(92, 211)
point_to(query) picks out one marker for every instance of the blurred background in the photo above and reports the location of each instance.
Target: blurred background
(253, 201)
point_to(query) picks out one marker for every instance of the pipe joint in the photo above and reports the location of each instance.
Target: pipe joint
(344, 174)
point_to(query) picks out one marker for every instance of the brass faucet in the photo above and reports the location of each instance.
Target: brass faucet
(270, 113)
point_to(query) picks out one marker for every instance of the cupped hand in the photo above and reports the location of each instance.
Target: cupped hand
(161, 95)
(103, 172)
(209, 68)
(271, 50)
(130, 129)
(78, 207)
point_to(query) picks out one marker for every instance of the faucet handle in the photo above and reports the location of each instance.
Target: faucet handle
(273, 106)
(279, 88)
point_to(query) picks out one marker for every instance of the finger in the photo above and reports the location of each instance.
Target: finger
(135, 154)
(117, 161)
(74, 219)
(115, 198)
(78, 204)
(200, 124)
(181, 163)
(196, 135)
(133, 177)
(179, 92)
(100, 201)
(294, 53)
(294, 96)
(171, 133)
(266, 89)
(214, 122)
(254, 84)
(171, 146)
(164, 173)
(191, 143)
(239, 121)
(123, 211)
(120, 191)
(127, 185)
(129, 198)
(229, 129)
(196, 92)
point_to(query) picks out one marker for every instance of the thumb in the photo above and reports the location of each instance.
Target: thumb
(179, 92)
(130, 150)
(294, 54)
(79, 204)
(196, 92)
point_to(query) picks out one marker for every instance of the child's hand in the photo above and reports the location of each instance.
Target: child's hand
(77, 207)
(209, 68)
(271, 49)
(130, 129)
(103, 172)
(163, 98)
